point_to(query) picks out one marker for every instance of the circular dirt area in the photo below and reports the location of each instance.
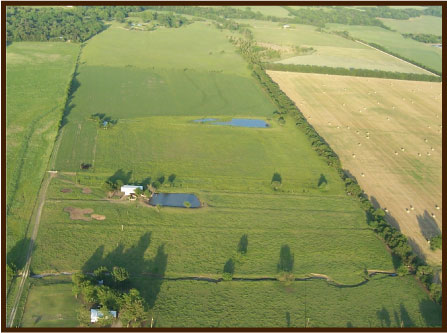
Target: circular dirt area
(79, 213)
(66, 190)
(86, 190)
(98, 217)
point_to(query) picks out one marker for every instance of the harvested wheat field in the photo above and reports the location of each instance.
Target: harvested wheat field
(387, 134)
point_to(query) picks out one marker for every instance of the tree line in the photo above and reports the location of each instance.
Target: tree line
(425, 38)
(351, 72)
(407, 261)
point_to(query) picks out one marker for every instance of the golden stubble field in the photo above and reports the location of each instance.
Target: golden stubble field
(388, 134)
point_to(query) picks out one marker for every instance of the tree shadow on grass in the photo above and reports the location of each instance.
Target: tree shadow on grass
(322, 180)
(416, 249)
(17, 254)
(288, 319)
(427, 224)
(431, 313)
(384, 317)
(132, 259)
(75, 84)
(286, 259)
(120, 175)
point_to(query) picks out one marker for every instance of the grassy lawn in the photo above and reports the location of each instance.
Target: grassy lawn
(38, 74)
(50, 303)
(267, 10)
(416, 25)
(330, 50)
(425, 54)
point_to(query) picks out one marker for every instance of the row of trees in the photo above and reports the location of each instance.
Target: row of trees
(395, 240)
(424, 38)
(109, 291)
(114, 184)
(351, 72)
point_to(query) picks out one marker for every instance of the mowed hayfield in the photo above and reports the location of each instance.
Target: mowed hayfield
(330, 50)
(229, 168)
(50, 303)
(393, 41)
(416, 25)
(37, 77)
(396, 114)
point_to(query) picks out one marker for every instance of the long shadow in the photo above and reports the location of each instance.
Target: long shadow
(288, 319)
(416, 248)
(132, 259)
(388, 217)
(427, 224)
(74, 86)
(405, 317)
(286, 259)
(17, 254)
(431, 313)
(120, 175)
(384, 317)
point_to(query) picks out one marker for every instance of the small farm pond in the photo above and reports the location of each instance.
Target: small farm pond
(175, 200)
(239, 122)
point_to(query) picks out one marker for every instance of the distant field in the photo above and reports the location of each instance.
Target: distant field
(38, 74)
(267, 10)
(330, 50)
(51, 303)
(207, 49)
(395, 181)
(393, 41)
(416, 25)
(383, 302)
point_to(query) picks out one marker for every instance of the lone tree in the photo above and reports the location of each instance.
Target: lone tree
(120, 276)
(286, 259)
(243, 244)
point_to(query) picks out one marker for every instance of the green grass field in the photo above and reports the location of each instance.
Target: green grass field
(417, 25)
(155, 101)
(50, 303)
(425, 54)
(330, 50)
(382, 302)
(267, 10)
(38, 74)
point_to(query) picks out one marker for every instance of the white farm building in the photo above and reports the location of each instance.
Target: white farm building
(130, 189)
(96, 314)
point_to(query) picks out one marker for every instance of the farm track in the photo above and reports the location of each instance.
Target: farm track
(314, 276)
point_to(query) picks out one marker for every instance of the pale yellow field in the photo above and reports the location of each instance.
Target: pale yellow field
(396, 114)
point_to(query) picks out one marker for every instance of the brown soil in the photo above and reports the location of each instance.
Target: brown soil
(66, 190)
(86, 190)
(98, 217)
(79, 213)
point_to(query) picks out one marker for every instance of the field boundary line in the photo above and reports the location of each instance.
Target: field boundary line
(396, 57)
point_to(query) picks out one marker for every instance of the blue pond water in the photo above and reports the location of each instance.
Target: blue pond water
(174, 200)
(238, 122)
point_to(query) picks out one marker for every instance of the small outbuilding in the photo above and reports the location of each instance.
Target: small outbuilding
(96, 314)
(130, 189)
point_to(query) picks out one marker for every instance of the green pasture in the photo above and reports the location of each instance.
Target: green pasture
(37, 76)
(382, 302)
(330, 50)
(50, 303)
(321, 232)
(198, 46)
(416, 25)
(425, 54)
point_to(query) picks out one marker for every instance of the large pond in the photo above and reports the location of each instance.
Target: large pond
(174, 200)
(239, 122)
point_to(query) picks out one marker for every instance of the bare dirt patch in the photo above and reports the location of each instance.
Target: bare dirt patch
(388, 135)
(98, 217)
(86, 190)
(79, 213)
(66, 190)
